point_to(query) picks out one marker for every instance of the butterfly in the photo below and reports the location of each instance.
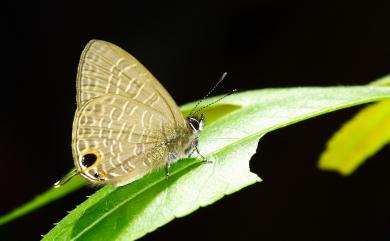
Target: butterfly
(126, 124)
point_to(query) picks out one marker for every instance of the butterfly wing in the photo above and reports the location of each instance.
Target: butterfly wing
(124, 135)
(123, 116)
(105, 68)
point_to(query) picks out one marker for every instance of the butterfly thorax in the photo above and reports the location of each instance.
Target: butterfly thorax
(179, 142)
(187, 140)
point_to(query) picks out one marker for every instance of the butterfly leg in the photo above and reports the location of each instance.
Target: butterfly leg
(204, 159)
(172, 158)
(194, 145)
(167, 169)
(192, 152)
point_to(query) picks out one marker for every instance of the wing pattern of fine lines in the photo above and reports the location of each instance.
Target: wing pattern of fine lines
(123, 132)
(123, 112)
(105, 68)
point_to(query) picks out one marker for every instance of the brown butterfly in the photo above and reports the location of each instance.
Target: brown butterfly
(126, 124)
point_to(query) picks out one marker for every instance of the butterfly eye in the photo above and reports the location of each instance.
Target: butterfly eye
(194, 123)
(89, 159)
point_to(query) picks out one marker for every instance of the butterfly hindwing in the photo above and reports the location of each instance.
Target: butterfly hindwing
(122, 133)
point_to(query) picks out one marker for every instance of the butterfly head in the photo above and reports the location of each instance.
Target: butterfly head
(196, 123)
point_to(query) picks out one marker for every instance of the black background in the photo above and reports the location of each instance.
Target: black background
(187, 45)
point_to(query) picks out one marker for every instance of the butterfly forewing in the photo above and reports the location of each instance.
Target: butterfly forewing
(105, 68)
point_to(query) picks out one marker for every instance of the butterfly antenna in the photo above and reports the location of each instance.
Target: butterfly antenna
(215, 86)
(215, 101)
(66, 178)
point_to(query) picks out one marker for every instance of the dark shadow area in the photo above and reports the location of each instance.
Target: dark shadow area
(187, 45)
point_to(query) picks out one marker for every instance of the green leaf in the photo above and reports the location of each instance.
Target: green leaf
(358, 139)
(43, 199)
(129, 212)
(384, 81)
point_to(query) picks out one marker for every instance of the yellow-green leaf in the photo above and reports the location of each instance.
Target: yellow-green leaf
(358, 139)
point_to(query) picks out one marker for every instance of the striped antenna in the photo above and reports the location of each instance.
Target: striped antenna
(215, 101)
(211, 91)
